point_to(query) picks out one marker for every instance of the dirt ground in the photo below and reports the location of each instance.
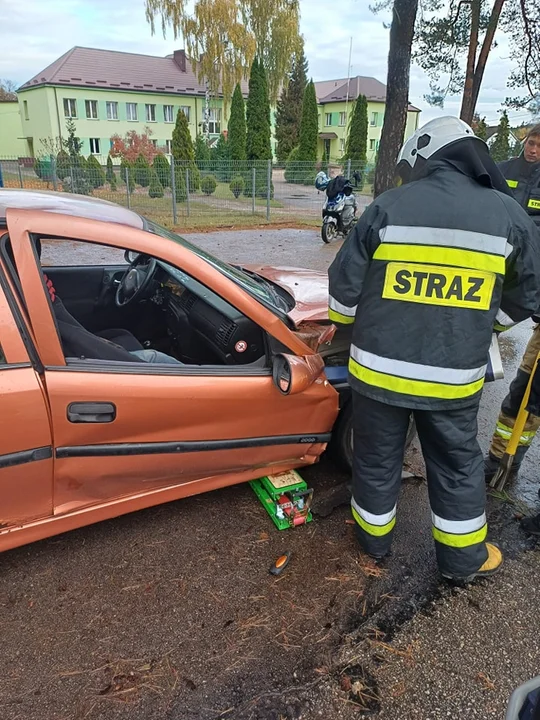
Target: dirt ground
(171, 613)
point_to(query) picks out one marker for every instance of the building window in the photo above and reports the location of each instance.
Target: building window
(168, 113)
(112, 111)
(25, 106)
(374, 119)
(70, 108)
(342, 119)
(94, 146)
(342, 145)
(91, 109)
(372, 144)
(150, 113)
(186, 110)
(131, 111)
(154, 143)
(168, 147)
(328, 119)
(214, 121)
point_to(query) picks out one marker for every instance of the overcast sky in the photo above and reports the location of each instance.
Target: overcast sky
(34, 33)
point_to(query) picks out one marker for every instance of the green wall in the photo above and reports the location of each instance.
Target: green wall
(46, 116)
(375, 123)
(11, 144)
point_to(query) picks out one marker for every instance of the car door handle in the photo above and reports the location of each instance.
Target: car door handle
(91, 412)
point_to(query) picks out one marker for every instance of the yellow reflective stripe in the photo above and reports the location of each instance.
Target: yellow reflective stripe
(460, 541)
(505, 433)
(512, 183)
(406, 386)
(434, 255)
(535, 204)
(376, 530)
(339, 318)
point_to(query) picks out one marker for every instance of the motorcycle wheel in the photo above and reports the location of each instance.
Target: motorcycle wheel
(328, 231)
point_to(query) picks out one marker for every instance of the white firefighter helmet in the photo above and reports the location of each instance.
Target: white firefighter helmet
(429, 139)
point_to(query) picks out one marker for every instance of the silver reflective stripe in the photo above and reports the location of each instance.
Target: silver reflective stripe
(444, 237)
(333, 304)
(415, 371)
(503, 319)
(458, 527)
(372, 519)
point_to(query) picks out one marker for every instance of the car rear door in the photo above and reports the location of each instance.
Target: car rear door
(26, 464)
(129, 430)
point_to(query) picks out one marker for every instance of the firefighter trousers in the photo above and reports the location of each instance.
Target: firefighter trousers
(455, 476)
(511, 404)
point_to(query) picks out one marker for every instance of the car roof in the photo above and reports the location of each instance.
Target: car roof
(67, 204)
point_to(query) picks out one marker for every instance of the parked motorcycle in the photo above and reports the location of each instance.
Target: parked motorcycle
(339, 209)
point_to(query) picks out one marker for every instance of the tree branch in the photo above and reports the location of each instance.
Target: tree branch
(485, 50)
(529, 48)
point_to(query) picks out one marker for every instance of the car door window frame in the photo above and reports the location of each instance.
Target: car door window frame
(73, 364)
(41, 223)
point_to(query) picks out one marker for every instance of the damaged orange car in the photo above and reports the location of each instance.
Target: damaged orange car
(155, 372)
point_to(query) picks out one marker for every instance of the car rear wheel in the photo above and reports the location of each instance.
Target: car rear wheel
(341, 445)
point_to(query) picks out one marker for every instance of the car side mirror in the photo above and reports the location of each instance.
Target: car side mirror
(293, 374)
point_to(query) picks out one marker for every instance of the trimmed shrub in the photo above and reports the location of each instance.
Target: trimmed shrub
(156, 188)
(162, 169)
(208, 184)
(142, 171)
(94, 173)
(237, 185)
(110, 171)
(62, 165)
(294, 170)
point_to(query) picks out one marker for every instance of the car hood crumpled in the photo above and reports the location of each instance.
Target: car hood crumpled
(309, 289)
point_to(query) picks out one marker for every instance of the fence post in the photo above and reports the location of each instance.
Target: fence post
(349, 168)
(53, 171)
(127, 189)
(1, 177)
(253, 181)
(20, 175)
(187, 191)
(268, 188)
(71, 175)
(173, 188)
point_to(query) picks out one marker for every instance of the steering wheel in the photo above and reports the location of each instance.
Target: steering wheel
(135, 281)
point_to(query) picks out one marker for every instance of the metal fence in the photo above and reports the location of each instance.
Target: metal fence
(210, 193)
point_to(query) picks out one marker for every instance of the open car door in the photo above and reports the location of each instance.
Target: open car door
(138, 434)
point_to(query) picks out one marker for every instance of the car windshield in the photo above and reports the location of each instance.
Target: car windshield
(254, 284)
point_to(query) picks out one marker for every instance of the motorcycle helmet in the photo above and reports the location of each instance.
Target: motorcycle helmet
(426, 141)
(321, 180)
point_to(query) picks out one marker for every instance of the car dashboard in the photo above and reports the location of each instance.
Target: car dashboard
(203, 327)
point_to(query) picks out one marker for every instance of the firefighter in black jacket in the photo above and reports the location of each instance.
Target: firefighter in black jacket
(523, 177)
(523, 174)
(423, 276)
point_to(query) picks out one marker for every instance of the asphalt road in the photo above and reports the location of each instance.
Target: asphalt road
(171, 613)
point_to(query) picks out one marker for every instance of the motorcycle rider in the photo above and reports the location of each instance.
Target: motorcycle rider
(523, 177)
(422, 278)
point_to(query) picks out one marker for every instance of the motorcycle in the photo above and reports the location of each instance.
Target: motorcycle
(339, 209)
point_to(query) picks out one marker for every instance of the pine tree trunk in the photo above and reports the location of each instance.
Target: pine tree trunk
(466, 113)
(485, 50)
(397, 92)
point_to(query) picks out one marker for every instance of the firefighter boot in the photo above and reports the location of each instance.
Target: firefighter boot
(491, 566)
